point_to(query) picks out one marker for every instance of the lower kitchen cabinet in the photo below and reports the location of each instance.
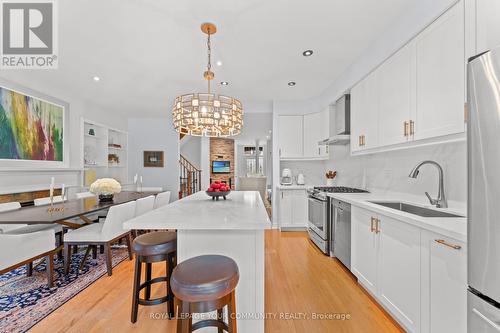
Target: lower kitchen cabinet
(418, 276)
(364, 247)
(444, 284)
(292, 209)
(399, 270)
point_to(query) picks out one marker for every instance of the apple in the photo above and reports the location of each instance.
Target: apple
(216, 190)
(217, 182)
(216, 186)
(210, 189)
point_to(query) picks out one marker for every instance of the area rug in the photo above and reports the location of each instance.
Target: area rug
(24, 301)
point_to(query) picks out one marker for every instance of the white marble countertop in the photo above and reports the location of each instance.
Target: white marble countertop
(454, 227)
(243, 210)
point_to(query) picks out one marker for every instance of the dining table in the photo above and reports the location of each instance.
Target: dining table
(63, 212)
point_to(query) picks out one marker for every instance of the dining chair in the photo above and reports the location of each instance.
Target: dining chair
(46, 200)
(7, 207)
(97, 234)
(162, 199)
(144, 205)
(23, 249)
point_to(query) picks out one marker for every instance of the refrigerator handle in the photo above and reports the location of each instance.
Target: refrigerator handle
(486, 319)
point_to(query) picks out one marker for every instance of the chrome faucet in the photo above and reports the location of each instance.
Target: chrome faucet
(440, 202)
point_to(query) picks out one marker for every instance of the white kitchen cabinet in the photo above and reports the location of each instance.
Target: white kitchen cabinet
(364, 248)
(420, 277)
(290, 138)
(440, 76)
(487, 25)
(399, 270)
(365, 113)
(292, 208)
(395, 90)
(444, 284)
(316, 128)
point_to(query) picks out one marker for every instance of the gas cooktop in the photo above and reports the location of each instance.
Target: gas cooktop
(319, 192)
(339, 189)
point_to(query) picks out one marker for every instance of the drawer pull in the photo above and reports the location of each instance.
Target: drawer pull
(377, 229)
(372, 228)
(443, 242)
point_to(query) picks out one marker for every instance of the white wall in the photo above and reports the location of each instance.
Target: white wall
(38, 178)
(155, 134)
(190, 148)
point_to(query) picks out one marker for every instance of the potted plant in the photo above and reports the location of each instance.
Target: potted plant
(105, 188)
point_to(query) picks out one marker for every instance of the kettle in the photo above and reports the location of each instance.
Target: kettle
(300, 179)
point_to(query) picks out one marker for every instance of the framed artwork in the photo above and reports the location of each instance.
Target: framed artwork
(153, 159)
(31, 129)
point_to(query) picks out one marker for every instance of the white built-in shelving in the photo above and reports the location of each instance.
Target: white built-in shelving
(104, 151)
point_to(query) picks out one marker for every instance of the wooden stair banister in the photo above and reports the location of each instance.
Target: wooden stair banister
(190, 178)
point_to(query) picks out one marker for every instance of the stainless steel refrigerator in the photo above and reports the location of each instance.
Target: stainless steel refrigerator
(484, 193)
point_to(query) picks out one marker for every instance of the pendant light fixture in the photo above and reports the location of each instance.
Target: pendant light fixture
(207, 114)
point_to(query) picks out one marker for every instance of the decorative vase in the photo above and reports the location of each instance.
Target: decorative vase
(330, 181)
(105, 197)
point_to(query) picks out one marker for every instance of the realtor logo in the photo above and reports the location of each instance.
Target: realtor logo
(29, 38)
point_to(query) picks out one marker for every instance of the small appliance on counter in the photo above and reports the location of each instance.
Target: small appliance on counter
(286, 177)
(301, 179)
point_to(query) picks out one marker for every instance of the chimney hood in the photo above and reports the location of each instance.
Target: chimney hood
(340, 122)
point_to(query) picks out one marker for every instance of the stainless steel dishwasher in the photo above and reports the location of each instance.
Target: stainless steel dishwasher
(340, 231)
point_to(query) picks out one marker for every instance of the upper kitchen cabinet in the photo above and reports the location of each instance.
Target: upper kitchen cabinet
(316, 128)
(395, 93)
(299, 136)
(487, 25)
(290, 139)
(365, 113)
(417, 93)
(440, 76)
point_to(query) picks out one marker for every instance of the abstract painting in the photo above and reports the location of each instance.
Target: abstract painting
(30, 128)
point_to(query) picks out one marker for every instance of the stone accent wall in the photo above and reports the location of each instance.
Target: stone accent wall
(222, 149)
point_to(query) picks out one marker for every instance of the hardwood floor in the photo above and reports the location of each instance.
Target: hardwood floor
(299, 279)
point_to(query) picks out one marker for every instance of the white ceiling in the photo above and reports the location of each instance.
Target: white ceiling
(148, 51)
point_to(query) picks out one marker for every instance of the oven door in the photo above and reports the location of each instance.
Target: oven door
(317, 216)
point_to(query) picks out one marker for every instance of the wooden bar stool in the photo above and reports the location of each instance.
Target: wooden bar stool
(205, 284)
(149, 248)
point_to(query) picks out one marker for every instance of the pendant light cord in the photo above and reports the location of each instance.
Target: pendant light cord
(209, 51)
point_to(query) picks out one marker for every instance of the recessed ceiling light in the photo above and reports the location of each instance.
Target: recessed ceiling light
(224, 83)
(291, 83)
(307, 53)
(96, 78)
(219, 63)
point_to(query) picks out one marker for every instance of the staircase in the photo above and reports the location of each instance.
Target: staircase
(190, 178)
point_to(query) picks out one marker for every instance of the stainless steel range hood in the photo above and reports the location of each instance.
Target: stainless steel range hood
(340, 123)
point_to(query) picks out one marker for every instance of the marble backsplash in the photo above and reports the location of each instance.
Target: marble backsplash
(388, 171)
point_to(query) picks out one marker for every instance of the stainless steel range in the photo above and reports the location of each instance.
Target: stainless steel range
(321, 215)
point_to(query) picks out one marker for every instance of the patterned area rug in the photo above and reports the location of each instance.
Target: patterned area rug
(24, 301)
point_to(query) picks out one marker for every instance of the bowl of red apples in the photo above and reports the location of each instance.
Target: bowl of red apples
(217, 190)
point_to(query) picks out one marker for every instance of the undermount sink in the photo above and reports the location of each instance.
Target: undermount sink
(412, 209)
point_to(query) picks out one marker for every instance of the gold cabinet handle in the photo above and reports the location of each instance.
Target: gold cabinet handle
(377, 228)
(405, 128)
(359, 140)
(372, 228)
(412, 127)
(443, 242)
(363, 142)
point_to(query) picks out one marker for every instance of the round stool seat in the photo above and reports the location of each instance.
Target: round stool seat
(204, 278)
(155, 243)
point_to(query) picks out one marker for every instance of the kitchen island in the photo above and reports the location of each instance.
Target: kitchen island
(234, 228)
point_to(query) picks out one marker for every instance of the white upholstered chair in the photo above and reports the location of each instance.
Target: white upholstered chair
(106, 233)
(162, 199)
(7, 207)
(144, 205)
(46, 201)
(23, 249)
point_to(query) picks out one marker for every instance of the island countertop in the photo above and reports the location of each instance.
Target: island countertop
(243, 210)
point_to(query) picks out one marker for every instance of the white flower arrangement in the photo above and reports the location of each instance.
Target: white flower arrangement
(105, 186)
